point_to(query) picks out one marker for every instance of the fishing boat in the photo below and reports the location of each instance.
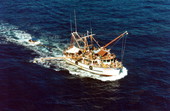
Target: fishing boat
(86, 53)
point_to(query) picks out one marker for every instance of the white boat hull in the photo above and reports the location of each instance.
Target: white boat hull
(97, 70)
(34, 43)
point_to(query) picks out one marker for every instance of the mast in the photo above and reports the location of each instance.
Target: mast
(91, 28)
(115, 39)
(75, 39)
(71, 27)
(75, 21)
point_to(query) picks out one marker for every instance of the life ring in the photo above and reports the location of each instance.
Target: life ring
(90, 67)
(76, 62)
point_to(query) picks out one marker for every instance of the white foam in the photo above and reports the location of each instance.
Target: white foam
(13, 34)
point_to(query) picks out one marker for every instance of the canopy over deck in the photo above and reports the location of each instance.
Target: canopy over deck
(73, 50)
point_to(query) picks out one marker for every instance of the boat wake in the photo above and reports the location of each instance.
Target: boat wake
(15, 35)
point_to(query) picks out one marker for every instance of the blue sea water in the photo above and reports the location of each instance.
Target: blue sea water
(25, 86)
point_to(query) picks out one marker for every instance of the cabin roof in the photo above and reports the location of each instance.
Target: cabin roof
(102, 52)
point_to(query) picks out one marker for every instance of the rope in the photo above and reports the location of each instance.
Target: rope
(115, 43)
(71, 27)
(123, 48)
(125, 33)
(51, 47)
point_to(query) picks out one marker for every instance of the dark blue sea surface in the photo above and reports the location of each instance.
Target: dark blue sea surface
(25, 86)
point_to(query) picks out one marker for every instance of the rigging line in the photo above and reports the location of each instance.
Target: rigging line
(91, 27)
(115, 42)
(96, 42)
(91, 32)
(125, 39)
(122, 49)
(75, 20)
(71, 27)
(125, 43)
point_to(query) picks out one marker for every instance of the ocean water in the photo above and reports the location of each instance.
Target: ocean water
(25, 86)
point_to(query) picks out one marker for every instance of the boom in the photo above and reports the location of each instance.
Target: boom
(115, 39)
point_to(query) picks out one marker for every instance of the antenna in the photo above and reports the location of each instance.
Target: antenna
(75, 20)
(71, 27)
(90, 28)
(87, 33)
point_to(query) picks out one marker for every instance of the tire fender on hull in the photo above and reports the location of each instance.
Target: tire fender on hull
(76, 62)
(90, 67)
